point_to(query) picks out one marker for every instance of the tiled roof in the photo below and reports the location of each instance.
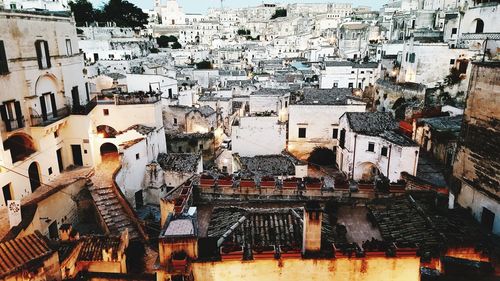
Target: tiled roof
(267, 165)
(180, 227)
(371, 123)
(446, 123)
(179, 162)
(398, 138)
(141, 129)
(337, 96)
(17, 253)
(93, 246)
(271, 92)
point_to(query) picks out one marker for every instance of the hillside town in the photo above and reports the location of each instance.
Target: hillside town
(280, 141)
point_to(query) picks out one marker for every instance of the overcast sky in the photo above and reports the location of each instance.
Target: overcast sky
(200, 6)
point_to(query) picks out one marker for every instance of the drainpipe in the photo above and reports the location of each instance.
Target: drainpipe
(354, 157)
(389, 161)
(415, 163)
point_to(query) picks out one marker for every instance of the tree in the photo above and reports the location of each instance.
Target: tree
(204, 65)
(280, 13)
(243, 32)
(124, 14)
(176, 45)
(164, 41)
(84, 11)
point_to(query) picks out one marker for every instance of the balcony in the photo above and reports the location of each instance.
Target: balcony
(50, 118)
(120, 98)
(14, 124)
(84, 109)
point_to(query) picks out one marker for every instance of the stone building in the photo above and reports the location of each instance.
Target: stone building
(477, 161)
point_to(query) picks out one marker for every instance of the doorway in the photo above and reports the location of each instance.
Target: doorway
(109, 152)
(7, 193)
(487, 219)
(59, 160)
(53, 231)
(34, 176)
(139, 200)
(76, 150)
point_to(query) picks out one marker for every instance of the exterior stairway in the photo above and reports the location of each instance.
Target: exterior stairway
(111, 209)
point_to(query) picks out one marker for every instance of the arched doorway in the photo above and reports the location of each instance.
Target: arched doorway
(105, 131)
(20, 145)
(109, 152)
(370, 171)
(34, 175)
(477, 26)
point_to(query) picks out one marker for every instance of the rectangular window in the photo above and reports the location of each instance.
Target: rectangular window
(351, 85)
(454, 31)
(42, 54)
(371, 146)
(175, 121)
(412, 57)
(302, 133)
(4, 67)
(137, 156)
(335, 134)
(383, 151)
(170, 93)
(69, 49)
(105, 112)
(452, 61)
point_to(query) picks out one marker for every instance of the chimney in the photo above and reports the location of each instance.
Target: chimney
(313, 215)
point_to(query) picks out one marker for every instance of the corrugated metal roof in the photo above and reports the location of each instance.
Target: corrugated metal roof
(16, 253)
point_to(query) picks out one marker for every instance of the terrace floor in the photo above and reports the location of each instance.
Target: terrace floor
(359, 229)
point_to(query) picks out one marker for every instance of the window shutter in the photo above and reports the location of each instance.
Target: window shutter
(3, 113)
(19, 114)
(44, 108)
(47, 53)
(4, 68)
(38, 48)
(54, 105)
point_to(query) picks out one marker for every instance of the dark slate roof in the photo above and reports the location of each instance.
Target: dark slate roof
(17, 253)
(92, 247)
(371, 123)
(337, 96)
(179, 162)
(267, 165)
(141, 129)
(271, 92)
(444, 124)
(398, 138)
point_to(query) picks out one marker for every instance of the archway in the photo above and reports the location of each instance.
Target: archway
(109, 152)
(34, 176)
(477, 26)
(20, 145)
(46, 83)
(369, 171)
(105, 131)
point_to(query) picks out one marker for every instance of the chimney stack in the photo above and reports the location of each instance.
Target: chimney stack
(313, 215)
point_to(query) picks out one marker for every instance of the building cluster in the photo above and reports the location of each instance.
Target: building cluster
(278, 142)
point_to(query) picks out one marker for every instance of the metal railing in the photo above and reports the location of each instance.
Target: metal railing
(42, 121)
(13, 124)
(84, 109)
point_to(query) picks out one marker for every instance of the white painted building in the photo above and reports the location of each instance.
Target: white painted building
(345, 74)
(369, 145)
(270, 100)
(30, 5)
(258, 134)
(314, 119)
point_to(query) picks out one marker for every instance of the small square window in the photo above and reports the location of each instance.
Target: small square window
(351, 85)
(137, 156)
(175, 121)
(105, 112)
(383, 151)
(452, 61)
(454, 31)
(50, 171)
(302, 133)
(335, 134)
(371, 146)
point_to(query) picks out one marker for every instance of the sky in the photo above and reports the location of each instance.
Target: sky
(200, 6)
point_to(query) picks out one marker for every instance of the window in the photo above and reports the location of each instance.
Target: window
(335, 134)
(4, 67)
(384, 150)
(56, 134)
(412, 57)
(69, 49)
(351, 85)
(454, 31)
(302, 133)
(137, 156)
(105, 112)
(42, 54)
(50, 171)
(111, 56)
(335, 85)
(286, 104)
(175, 121)
(169, 93)
(452, 61)
(362, 72)
(479, 26)
(371, 146)
(406, 59)
(201, 146)
(12, 115)
(352, 72)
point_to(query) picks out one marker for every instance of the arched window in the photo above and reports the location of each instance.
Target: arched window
(479, 26)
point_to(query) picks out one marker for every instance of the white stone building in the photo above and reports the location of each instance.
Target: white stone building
(345, 74)
(314, 119)
(49, 5)
(369, 145)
